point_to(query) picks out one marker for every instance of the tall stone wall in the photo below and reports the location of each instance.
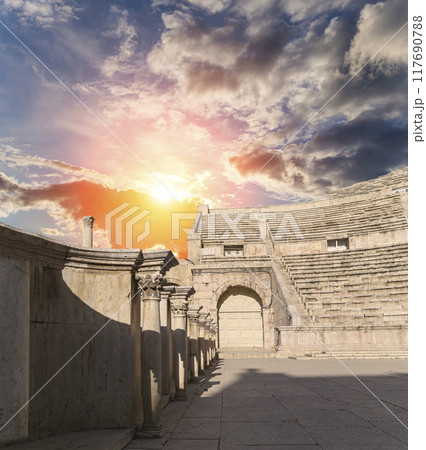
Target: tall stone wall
(14, 345)
(94, 390)
(70, 335)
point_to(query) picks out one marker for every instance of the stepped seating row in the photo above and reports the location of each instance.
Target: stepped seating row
(360, 217)
(356, 217)
(250, 260)
(395, 179)
(367, 286)
(217, 228)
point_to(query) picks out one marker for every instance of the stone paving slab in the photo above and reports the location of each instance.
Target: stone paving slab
(368, 437)
(263, 433)
(289, 404)
(80, 440)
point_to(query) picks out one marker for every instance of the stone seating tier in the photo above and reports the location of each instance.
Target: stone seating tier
(396, 179)
(353, 217)
(357, 217)
(366, 286)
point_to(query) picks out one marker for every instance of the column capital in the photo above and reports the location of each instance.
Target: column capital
(88, 221)
(194, 313)
(178, 307)
(203, 318)
(150, 285)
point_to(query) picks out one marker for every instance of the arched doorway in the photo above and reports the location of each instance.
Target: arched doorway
(240, 319)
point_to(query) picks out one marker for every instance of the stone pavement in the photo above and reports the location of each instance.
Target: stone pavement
(80, 440)
(284, 404)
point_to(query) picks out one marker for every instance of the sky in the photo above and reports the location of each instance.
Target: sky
(150, 108)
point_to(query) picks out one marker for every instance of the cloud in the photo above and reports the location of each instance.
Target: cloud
(43, 13)
(15, 158)
(126, 32)
(209, 90)
(67, 203)
(378, 23)
(297, 10)
(212, 6)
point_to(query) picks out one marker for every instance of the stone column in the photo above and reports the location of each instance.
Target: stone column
(208, 343)
(167, 382)
(215, 343)
(211, 349)
(193, 319)
(88, 231)
(151, 355)
(201, 362)
(179, 307)
(202, 341)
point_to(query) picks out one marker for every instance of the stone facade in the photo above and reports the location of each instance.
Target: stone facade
(335, 268)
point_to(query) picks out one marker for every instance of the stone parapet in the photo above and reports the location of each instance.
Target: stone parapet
(299, 341)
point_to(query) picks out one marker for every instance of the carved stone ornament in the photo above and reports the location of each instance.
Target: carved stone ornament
(151, 285)
(88, 221)
(193, 317)
(179, 308)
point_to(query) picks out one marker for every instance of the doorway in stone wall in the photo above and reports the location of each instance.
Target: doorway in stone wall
(240, 319)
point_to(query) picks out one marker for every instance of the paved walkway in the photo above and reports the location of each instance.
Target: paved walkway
(284, 404)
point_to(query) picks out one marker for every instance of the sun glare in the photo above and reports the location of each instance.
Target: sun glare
(161, 193)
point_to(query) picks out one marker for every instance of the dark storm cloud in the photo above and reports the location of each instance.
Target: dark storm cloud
(365, 148)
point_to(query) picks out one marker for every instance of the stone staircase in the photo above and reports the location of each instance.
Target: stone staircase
(353, 287)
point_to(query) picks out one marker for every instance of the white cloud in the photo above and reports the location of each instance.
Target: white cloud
(16, 158)
(377, 23)
(44, 13)
(121, 61)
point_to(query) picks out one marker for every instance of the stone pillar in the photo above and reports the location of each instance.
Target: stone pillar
(208, 343)
(151, 355)
(193, 319)
(202, 341)
(179, 307)
(215, 343)
(88, 231)
(211, 349)
(201, 362)
(167, 382)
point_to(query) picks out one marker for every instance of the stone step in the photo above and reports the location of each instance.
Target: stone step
(245, 353)
(349, 282)
(345, 263)
(368, 354)
(349, 253)
(341, 291)
(351, 264)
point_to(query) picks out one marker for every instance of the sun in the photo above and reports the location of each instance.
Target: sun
(161, 193)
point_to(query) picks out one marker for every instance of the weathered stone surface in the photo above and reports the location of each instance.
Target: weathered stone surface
(282, 256)
(73, 321)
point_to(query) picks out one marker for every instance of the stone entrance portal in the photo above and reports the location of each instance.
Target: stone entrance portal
(240, 319)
